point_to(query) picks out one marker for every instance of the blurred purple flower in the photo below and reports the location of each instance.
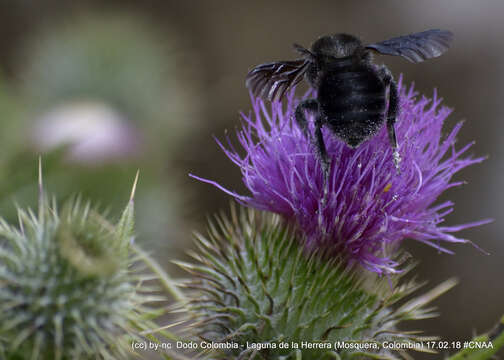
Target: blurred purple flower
(366, 208)
(94, 133)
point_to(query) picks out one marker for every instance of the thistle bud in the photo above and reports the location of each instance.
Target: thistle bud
(69, 287)
(255, 283)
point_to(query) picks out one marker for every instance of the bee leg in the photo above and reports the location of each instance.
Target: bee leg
(310, 105)
(393, 111)
(321, 148)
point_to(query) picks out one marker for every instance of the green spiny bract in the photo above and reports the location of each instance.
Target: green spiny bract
(254, 283)
(69, 289)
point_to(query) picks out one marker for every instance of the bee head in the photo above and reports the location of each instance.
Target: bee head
(337, 45)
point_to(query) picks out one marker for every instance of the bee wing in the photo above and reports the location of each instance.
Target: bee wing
(271, 80)
(416, 47)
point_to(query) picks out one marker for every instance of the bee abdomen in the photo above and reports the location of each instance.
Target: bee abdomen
(342, 93)
(357, 102)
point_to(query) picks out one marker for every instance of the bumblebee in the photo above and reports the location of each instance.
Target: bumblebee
(351, 90)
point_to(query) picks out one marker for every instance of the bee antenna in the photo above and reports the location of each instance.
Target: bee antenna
(302, 50)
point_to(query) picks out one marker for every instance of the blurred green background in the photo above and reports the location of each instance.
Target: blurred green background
(103, 88)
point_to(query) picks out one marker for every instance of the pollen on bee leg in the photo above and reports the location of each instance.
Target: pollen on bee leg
(397, 160)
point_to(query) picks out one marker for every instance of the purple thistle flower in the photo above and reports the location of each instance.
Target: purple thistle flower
(366, 208)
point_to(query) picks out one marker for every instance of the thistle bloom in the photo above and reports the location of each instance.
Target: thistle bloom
(365, 208)
(94, 133)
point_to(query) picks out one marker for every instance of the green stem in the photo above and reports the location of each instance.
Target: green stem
(167, 282)
(497, 340)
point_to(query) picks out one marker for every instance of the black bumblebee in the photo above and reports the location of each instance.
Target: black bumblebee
(351, 90)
